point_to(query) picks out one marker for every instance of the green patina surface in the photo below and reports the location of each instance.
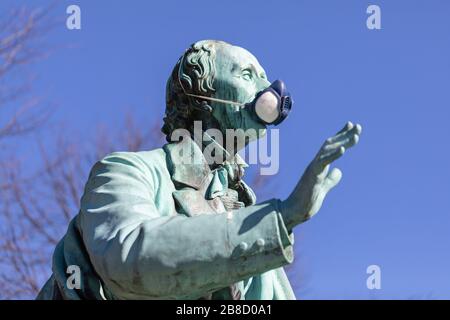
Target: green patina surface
(152, 227)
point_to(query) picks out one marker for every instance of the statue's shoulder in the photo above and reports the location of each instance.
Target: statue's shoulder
(151, 159)
(149, 166)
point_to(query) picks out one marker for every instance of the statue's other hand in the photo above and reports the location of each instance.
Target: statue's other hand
(307, 197)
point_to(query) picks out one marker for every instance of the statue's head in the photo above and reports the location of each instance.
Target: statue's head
(219, 70)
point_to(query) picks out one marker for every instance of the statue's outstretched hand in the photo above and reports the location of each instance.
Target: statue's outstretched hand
(317, 180)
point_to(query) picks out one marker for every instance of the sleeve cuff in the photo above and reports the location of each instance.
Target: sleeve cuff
(259, 238)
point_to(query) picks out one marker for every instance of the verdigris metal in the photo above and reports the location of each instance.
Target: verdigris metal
(151, 226)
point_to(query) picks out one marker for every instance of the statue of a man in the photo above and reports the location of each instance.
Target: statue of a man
(152, 226)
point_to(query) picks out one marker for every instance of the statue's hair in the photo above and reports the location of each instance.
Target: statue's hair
(196, 71)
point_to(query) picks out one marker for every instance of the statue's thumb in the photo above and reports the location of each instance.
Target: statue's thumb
(333, 178)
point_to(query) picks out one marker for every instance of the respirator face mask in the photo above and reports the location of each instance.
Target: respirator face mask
(270, 106)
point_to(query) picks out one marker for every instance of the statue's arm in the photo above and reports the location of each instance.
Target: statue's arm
(140, 254)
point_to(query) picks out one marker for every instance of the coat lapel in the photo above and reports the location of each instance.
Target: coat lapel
(192, 178)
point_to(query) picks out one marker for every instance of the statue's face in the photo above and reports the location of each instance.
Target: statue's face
(239, 77)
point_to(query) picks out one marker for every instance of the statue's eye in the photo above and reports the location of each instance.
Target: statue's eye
(247, 74)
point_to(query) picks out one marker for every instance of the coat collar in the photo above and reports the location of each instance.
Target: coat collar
(187, 164)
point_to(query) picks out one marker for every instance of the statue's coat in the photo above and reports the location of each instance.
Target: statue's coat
(148, 229)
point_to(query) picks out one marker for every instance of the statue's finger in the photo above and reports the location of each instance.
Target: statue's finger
(347, 142)
(348, 128)
(358, 129)
(355, 129)
(331, 156)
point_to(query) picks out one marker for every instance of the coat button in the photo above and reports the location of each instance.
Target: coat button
(260, 242)
(243, 246)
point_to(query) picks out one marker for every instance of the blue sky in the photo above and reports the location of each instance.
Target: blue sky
(392, 205)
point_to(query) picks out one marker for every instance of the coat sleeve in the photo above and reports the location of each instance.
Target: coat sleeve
(140, 254)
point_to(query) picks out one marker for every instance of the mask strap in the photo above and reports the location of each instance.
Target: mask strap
(199, 96)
